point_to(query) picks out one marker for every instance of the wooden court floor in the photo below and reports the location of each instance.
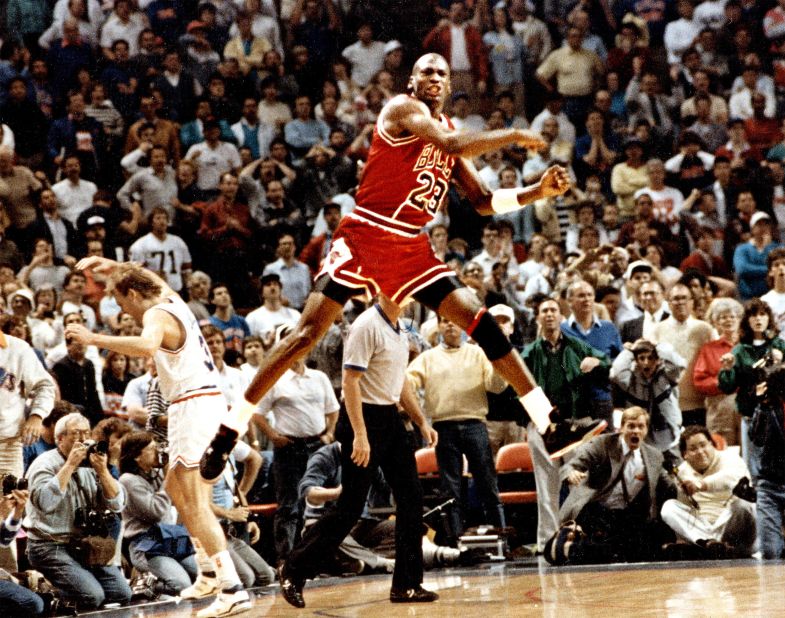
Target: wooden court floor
(708, 589)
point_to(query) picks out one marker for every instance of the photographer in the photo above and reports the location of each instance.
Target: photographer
(738, 374)
(15, 600)
(149, 508)
(69, 486)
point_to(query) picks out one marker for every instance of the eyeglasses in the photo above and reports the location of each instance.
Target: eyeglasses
(80, 433)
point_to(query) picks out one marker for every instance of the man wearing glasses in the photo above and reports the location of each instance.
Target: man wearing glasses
(61, 482)
(687, 335)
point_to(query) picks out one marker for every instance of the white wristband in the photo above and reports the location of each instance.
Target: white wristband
(505, 200)
(538, 407)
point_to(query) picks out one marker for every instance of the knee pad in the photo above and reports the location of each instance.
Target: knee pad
(486, 332)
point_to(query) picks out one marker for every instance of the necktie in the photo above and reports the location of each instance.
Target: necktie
(623, 475)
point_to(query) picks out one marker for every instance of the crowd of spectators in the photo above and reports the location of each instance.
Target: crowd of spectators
(220, 142)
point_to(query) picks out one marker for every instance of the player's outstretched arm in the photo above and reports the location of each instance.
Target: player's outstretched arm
(107, 267)
(554, 181)
(408, 116)
(145, 344)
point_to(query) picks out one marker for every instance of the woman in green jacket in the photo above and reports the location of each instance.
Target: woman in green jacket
(737, 374)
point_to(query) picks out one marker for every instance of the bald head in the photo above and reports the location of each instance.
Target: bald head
(430, 81)
(428, 59)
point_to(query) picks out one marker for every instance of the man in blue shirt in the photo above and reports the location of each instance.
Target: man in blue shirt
(602, 335)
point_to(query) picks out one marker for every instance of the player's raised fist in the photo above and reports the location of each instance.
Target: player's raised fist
(555, 181)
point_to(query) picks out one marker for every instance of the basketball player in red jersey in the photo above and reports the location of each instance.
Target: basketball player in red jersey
(379, 247)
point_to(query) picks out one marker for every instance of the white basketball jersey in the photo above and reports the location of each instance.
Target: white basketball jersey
(190, 368)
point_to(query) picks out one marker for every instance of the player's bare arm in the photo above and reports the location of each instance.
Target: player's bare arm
(106, 266)
(408, 116)
(159, 328)
(554, 181)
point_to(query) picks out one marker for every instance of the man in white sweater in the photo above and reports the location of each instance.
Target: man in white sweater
(22, 376)
(454, 377)
(708, 477)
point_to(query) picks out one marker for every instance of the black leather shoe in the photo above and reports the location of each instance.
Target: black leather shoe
(291, 588)
(413, 595)
(214, 459)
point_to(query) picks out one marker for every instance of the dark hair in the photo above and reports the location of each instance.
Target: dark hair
(774, 255)
(690, 276)
(133, 445)
(210, 330)
(689, 432)
(756, 307)
(606, 290)
(252, 339)
(61, 409)
(109, 426)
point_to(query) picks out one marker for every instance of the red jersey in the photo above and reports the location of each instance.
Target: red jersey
(405, 181)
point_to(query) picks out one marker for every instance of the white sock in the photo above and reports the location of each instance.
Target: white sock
(224, 568)
(240, 415)
(202, 559)
(538, 407)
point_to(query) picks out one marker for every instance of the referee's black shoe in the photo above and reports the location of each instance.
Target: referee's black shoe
(565, 436)
(412, 595)
(291, 588)
(214, 459)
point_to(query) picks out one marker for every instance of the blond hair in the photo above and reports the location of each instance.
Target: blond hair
(129, 276)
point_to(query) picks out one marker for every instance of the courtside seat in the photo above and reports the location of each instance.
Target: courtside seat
(427, 467)
(514, 468)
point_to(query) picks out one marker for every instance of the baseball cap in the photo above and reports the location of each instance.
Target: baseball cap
(24, 293)
(391, 46)
(758, 217)
(269, 277)
(502, 310)
(95, 220)
(637, 266)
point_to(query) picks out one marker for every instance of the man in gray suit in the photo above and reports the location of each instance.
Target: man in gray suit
(617, 488)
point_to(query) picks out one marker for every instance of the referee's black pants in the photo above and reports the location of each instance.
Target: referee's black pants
(392, 449)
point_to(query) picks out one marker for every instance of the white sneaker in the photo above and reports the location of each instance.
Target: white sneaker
(226, 604)
(202, 587)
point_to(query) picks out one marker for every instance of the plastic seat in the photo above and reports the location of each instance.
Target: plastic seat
(265, 510)
(515, 459)
(426, 462)
(720, 443)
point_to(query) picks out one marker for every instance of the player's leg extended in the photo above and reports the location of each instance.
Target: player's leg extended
(318, 314)
(322, 308)
(192, 497)
(462, 307)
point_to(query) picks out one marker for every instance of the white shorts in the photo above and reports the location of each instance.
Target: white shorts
(193, 422)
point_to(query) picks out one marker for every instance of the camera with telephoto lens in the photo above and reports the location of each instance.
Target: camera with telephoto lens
(92, 522)
(10, 483)
(772, 373)
(101, 447)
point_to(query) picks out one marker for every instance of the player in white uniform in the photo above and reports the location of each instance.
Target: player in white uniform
(162, 252)
(188, 379)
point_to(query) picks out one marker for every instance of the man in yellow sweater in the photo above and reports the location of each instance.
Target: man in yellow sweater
(454, 377)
